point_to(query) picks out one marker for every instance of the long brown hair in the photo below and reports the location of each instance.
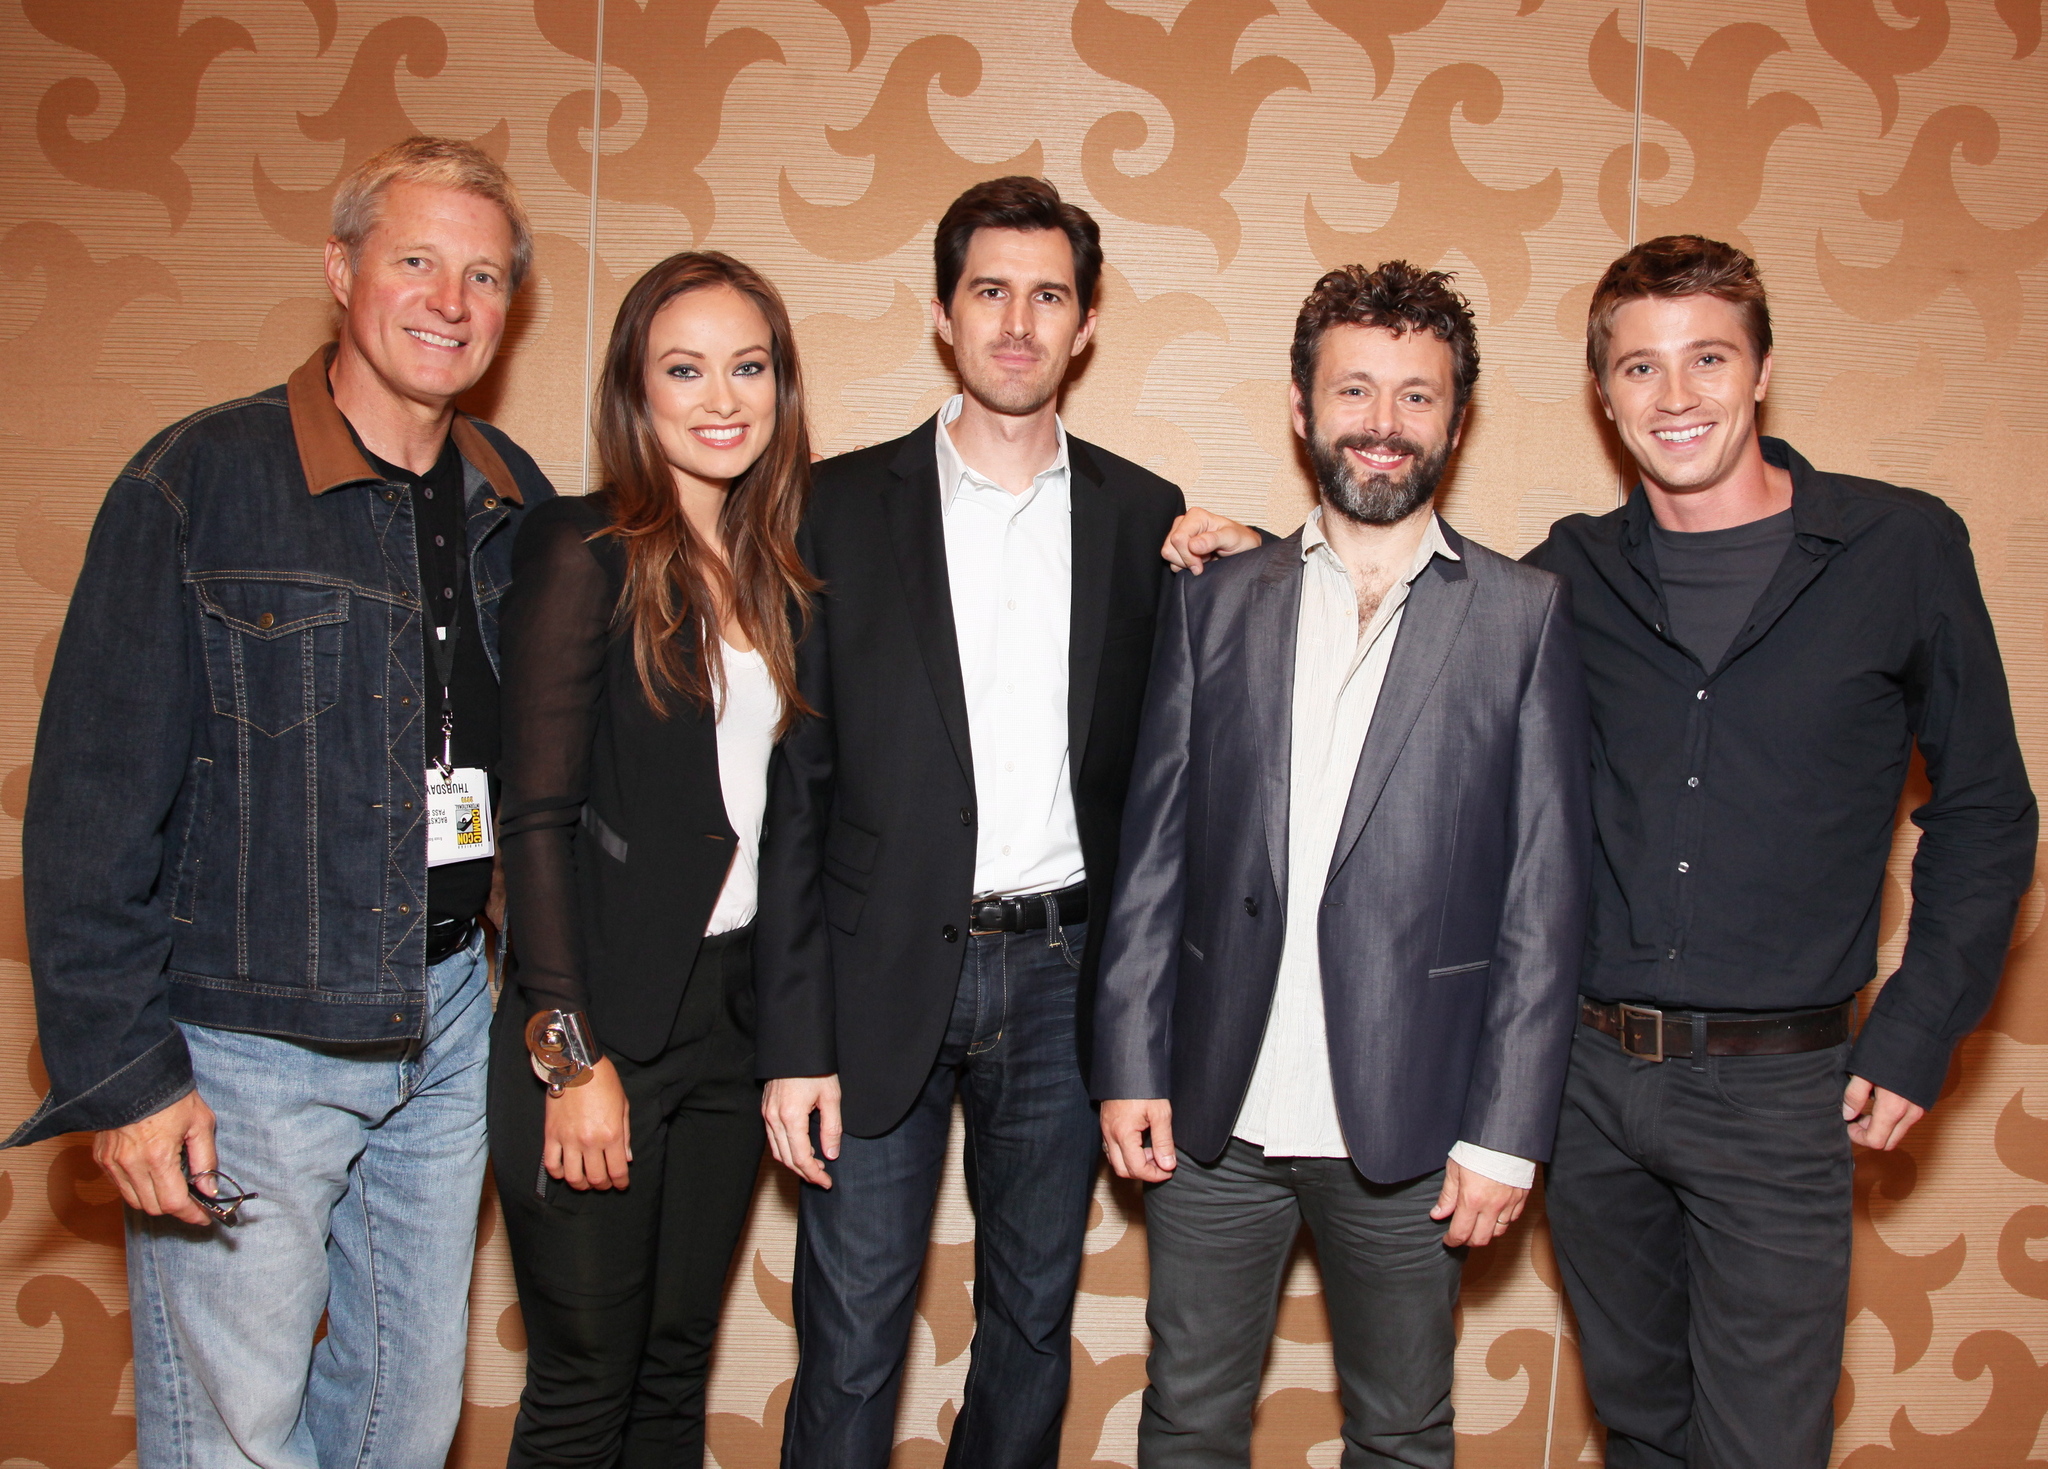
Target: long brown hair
(675, 583)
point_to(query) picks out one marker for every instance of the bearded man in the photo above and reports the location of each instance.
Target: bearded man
(1339, 975)
(938, 840)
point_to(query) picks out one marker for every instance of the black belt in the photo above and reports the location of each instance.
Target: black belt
(1027, 912)
(1659, 1035)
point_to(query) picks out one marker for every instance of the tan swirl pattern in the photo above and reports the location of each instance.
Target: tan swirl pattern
(169, 165)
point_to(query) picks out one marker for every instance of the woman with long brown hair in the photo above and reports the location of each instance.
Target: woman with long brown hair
(649, 667)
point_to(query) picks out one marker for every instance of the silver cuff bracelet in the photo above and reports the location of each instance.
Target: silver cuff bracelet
(558, 1042)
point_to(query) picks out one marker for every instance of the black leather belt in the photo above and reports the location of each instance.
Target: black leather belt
(1027, 912)
(1660, 1035)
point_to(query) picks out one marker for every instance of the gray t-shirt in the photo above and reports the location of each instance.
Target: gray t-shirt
(1712, 579)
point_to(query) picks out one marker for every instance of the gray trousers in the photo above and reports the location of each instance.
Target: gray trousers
(1219, 1238)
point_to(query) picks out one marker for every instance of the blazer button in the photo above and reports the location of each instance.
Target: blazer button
(967, 816)
(950, 934)
(1251, 907)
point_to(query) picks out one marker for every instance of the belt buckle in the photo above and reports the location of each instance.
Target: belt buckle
(1641, 1012)
(980, 908)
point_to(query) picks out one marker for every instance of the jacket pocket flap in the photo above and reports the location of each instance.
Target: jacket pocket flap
(851, 846)
(1450, 969)
(271, 609)
(843, 905)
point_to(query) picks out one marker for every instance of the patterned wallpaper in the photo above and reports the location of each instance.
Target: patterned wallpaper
(165, 173)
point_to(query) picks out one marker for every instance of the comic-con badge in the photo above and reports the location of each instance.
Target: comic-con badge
(458, 815)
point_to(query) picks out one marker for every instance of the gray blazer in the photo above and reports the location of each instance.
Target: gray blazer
(1453, 913)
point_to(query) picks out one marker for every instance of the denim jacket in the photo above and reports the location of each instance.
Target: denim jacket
(224, 820)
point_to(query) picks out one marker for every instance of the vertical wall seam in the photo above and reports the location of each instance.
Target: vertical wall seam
(1635, 160)
(590, 262)
(1556, 1360)
(1635, 198)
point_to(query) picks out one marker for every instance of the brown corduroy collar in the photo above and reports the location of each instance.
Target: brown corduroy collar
(328, 453)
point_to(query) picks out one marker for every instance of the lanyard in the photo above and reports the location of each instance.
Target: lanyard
(443, 646)
(441, 643)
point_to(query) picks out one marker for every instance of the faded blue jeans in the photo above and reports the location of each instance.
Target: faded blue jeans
(367, 1159)
(1031, 1149)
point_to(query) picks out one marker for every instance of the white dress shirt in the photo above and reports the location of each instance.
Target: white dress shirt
(1290, 1109)
(1009, 561)
(749, 708)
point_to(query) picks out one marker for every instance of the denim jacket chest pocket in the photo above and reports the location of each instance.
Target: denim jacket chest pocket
(273, 649)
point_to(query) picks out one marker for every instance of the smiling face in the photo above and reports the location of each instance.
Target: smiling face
(1015, 320)
(1378, 420)
(1682, 382)
(426, 293)
(710, 384)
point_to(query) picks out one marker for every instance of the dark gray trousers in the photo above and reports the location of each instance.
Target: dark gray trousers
(1219, 1238)
(1701, 1214)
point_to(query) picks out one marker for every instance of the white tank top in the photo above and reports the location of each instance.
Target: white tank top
(747, 716)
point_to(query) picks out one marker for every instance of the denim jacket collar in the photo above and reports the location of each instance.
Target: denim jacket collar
(327, 451)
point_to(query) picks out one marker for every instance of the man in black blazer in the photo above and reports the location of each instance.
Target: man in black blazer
(1339, 974)
(937, 840)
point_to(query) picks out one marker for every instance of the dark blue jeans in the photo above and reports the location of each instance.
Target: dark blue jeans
(1031, 1149)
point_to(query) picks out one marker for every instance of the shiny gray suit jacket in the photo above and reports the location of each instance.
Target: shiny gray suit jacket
(1453, 913)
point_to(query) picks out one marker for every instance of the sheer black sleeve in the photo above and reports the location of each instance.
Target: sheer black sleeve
(555, 633)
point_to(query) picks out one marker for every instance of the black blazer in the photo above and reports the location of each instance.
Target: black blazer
(1452, 917)
(612, 823)
(867, 856)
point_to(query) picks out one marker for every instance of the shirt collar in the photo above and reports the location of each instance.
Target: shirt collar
(327, 449)
(952, 468)
(1433, 543)
(1816, 501)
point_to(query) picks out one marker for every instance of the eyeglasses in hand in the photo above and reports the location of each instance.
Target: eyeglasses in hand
(222, 1206)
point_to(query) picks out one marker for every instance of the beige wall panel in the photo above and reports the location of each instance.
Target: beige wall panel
(164, 169)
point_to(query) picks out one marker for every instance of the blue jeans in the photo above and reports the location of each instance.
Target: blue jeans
(367, 1159)
(1031, 1149)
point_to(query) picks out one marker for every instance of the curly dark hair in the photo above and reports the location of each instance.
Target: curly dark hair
(1400, 298)
(1018, 202)
(1677, 265)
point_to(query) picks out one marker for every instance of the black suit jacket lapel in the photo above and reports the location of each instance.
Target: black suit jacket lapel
(1094, 517)
(917, 535)
(1436, 609)
(1269, 689)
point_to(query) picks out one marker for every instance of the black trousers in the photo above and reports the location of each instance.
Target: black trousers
(621, 1290)
(1701, 1214)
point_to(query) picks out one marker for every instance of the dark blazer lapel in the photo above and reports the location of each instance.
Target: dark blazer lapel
(1094, 520)
(1436, 609)
(917, 534)
(1269, 686)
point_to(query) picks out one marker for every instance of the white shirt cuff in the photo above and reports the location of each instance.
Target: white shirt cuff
(1500, 1167)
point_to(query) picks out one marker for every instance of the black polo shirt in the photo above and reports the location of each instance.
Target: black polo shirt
(1744, 815)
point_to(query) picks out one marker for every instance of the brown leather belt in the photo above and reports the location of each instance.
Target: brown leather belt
(1660, 1035)
(1027, 912)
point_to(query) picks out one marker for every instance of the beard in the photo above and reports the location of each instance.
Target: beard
(1376, 499)
(1004, 393)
